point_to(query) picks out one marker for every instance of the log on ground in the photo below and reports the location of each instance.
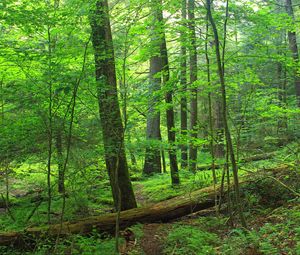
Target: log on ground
(244, 160)
(161, 212)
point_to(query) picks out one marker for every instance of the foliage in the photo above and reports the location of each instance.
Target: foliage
(46, 53)
(278, 235)
(94, 244)
(184, 239)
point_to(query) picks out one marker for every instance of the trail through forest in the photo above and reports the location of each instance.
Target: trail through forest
(153, 239)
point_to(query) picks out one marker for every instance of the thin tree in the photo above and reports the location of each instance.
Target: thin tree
(292, 36)
(210, 115)
(58, 133)
(168, 100)
(183, 85)
(224, 113)
(193, 79)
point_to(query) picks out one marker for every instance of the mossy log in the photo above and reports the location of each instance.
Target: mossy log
(161, 212)
(244, 160)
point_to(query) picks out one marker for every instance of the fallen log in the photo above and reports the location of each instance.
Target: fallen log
(244, 160)
(161, 212)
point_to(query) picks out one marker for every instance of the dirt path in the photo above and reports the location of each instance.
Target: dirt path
(153, 240)
(140, 197)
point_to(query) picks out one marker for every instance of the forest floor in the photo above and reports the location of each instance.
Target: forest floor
(272, 211)
(273, 218)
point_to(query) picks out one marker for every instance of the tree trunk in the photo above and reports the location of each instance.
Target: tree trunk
(169, 102)
(112, 128)
(183, 84)
(224, 115)
(193, 79)
(292, 36)
(152, 156)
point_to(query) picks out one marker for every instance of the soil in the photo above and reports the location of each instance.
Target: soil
(153, 239)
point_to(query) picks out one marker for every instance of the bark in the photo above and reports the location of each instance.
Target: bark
(152, 156)
(183, 84)
(169, 102)
(193, 79)
(112, 127)
(163, 211)
(292, 36)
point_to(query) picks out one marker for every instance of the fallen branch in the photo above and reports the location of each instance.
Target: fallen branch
(295, 193)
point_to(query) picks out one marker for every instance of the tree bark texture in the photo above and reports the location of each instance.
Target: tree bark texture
(169, 102)
(112, 127)
(152, 157)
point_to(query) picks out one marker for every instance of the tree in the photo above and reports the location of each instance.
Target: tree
(168, 100)
(112, 128)
(292, 36)
(194, 89)
(183, 84)
(224, 112)
(152, 156)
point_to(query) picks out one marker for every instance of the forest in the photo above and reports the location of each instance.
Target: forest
(150, 127)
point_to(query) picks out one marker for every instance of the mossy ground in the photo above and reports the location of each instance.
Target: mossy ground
(272, 212)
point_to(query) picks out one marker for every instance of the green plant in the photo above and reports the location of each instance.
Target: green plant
(184, 239)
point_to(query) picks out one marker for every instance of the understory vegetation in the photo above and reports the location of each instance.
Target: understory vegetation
(271, 207)
(149, 127)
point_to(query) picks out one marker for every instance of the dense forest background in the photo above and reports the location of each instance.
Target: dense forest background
(106, 106)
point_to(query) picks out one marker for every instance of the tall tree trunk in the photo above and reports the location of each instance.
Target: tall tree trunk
(183, 84)
(294, 49)
(50, 123)
(112, 128)
(193, 79)
(152, 156)
(219, 150)
(224, 114)
(210, 117)
(169, 101)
